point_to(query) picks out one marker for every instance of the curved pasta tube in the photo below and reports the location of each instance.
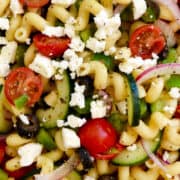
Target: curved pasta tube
(57, 12)
(13, 164)
(3, 5)
(117, 82)
(155, 90)
(138, 173)
(15, 22)
(85, 9)
(29, 55)
(54, 155)
(123, 2)
(124, 172)
(165, 144)
(108, 5)
(98, 69)
(157, 122)
(128, 137)
(165, 13)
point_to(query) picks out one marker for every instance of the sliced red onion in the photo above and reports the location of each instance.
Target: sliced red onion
(158, 70)
(3, 138)
(153, 157)
(62, 171)
(172, 6)
(167, 31)
(118, 9)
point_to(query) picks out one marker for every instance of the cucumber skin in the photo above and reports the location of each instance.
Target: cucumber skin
(133, 101)
(120, 159)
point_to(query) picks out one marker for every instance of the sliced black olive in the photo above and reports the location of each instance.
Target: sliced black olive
(107, 177)
(28, 130)
(85, 158)
(88, 82)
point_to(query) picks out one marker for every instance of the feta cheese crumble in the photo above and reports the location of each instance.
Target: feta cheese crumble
(98, 109)
(28, 153)
(77, 44)
(175, 92)
(54, 31)
(133, 147)
(64, 3)
(16, 7)
(4, 23)
(70, 138)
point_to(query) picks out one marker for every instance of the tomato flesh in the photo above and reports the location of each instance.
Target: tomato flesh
(34, 3)
(177, 113)
(51, 46)
(97, 136)
(23, 81)
(146, 40)
(2, 151)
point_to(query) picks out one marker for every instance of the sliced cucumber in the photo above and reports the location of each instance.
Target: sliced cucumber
(138, 156)
(134, 110)
(49, 117)
(74, 175)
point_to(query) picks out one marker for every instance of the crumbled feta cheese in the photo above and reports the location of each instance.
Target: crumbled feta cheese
(64, 3)
(74, 121)
(54, 31)
(42, 65)
(77, 44)
(70, 138)
(110, 51)
(175, 92)
(133, 147)
(4, 23)
(123, 53)
(165, 156)
(16, 7)
(4, 69)
(60, 123)
(122, 107)
(77, 98)
(69, 54)
(139, 8)
(8, 52)
(24, 119)
(98, 109)
(75, 63)
(86, 177)
(3, 40)
(28, 153)
(95, 45)
(69, 29)
(169, 109)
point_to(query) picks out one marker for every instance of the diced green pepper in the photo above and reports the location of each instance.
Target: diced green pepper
(157, 106)
(173, 81)
(3, 175)
(21, 101)
(171, 56)
(143, 108)
(19, 58)
(46, 139)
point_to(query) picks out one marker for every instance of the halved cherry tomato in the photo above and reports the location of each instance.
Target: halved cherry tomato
(177, 113)
(97, 136)
(146, 40)
(23, 81)
(105, 156)
(51, 46)
(34, 3)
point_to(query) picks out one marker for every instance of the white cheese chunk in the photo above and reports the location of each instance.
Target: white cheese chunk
(42, 65)
(98, 109)
(3, 40)
(28, 153)
(139, 8)
(74, 121)
(4, 23)
(4, 69)
(175, 92)
(132, 147)
(53, 31)
(77, 44)
(64, 3)
(70, 138)
(16, 7)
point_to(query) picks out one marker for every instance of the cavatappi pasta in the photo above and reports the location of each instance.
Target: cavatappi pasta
(89, 89)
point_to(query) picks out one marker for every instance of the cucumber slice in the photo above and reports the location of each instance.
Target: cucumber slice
(138, 156)
(74, 175)
(134, 110)
(49, 117)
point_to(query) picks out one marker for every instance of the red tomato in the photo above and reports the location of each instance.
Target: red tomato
(105, 156)
(51, 46)
(146, 40)
(2, 151)
(177, 113)
(97, 136)
(23, 81)
(34, 3)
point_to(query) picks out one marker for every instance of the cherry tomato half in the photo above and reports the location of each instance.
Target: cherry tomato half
(97, 136)
(23, 81)
(51, 46)
(177, 113)
(146, 40)
(34, 3)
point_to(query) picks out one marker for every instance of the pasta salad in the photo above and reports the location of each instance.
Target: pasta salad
(89, 89)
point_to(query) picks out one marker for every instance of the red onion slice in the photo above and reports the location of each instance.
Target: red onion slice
(160, 69)
(62, 171)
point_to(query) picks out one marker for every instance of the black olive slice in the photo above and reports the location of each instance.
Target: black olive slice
(28, 130)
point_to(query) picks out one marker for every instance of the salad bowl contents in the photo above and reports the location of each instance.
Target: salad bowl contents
(89, 89)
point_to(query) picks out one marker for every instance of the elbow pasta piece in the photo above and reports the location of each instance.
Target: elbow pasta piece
(150, 164)
(54, 155)
(138, 173)
(123, 2)
(175, 26)
(87, 7)
(173, 156)
(165, 144)
(11, 151)
(98, 69)
(117, 82)
(157, 122)
(46, 164)
(165, 13)
(123, 172)
(59, 140)
(29, 55)
(155, 90)
(128, 137)
(57, 12)
(13, 164)
(14, 140)
(15, 22)
(108, 5)
(3, 5)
